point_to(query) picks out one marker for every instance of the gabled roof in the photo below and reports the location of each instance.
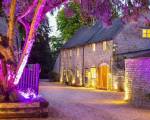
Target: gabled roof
(109, 33)
(3, 26)
(82, 36)
(86, 35)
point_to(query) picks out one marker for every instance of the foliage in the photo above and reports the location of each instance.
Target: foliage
(68, 25)
(102, 9)
(41, 52)
(56, 43)
(45, 49)
(54, 77)
(28, 13)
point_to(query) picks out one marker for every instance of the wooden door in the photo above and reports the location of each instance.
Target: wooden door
(103, 76)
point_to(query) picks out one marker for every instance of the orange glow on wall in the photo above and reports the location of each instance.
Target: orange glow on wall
(94, 47)
(78, 51)
(104, 46)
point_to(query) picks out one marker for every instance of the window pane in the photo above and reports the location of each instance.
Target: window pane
(144, 31)
(148, 35)
(93, 72)
(144, 35)
(148, 31)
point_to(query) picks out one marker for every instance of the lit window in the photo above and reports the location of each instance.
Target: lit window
(94, 47)
(86, 73)
(146, 33)
(78, 50)
(93, 72)
(104, 45)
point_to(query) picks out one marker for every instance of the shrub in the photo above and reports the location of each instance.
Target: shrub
(54, 77)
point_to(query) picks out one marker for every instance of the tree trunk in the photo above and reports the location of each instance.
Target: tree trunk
(9, 50)
(30, 40)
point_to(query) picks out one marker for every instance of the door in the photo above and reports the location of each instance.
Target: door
(103, 72)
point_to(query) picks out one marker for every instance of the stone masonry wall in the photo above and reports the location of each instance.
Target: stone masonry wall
(137, 81)
(72, 61)
(130, 37)
(99, 56)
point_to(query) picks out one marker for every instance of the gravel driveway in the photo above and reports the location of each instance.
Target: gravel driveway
(77, 103)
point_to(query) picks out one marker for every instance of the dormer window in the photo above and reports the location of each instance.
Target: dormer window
(146, 33)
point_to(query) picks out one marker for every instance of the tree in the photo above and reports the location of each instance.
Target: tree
(56, 43)
(28, 13)
(41, 52)
(69, 20)
(102, 9)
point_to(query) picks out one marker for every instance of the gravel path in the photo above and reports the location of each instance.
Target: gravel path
(76, 103)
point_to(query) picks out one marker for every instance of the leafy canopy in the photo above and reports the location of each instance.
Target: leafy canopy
(67, 24)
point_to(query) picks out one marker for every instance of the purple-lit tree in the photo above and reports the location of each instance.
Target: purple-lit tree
(103, 9)
(28, 13)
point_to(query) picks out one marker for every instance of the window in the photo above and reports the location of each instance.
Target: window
(78, 51)
(104, 45)
(94, 47)
(146, 33)
(86, 73)
(93, 72)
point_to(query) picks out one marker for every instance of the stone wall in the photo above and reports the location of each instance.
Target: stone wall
(137, 81)
(128, 43)
(99, 56)
(71, 65)
(72, 59)
(130, 37)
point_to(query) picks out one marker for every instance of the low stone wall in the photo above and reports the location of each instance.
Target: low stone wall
(137, 81)
(29, 109)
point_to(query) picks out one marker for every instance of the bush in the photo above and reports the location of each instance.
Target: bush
(54, 77)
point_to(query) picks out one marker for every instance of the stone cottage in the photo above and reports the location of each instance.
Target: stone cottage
(94, 56)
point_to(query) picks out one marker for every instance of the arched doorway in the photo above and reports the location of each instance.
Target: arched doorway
(103, 76)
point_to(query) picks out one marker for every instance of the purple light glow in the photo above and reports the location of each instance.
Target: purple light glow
(29, 94)
(30, 78)
(40, 11)
(30, 40)
(26, 24)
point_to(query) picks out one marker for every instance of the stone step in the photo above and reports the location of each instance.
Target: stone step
(24, 109)
(20, 105)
